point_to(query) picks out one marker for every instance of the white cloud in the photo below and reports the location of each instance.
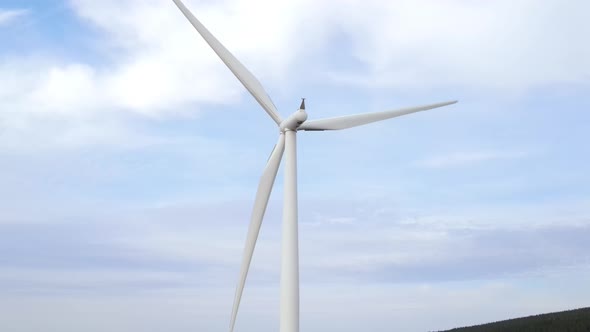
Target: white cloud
(90, 278)
(368, 248)
(507, 45)
(71, 88)
(162, 64)
(463, 159)
(157, 65)
(8, 16)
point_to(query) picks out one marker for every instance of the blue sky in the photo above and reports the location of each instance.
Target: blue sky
(130, 157)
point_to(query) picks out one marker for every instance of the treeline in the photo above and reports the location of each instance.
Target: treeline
(566, 321)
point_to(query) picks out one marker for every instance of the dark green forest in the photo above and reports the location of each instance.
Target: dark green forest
(566, 321)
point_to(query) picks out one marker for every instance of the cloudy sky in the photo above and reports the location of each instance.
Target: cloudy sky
(129, 158)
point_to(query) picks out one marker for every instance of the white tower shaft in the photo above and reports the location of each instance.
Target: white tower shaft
(290, 243)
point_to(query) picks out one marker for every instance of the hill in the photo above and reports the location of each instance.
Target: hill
(566, 321)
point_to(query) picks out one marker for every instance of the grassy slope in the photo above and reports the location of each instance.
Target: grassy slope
(567, 321)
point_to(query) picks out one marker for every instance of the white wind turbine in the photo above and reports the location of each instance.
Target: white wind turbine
(289, 319)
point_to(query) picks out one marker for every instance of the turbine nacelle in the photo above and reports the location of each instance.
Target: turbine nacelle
(294, 120)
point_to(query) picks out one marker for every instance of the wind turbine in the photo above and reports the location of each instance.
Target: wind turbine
(288, 128)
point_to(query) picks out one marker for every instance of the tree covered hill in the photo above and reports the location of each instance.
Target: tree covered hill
(566, 321)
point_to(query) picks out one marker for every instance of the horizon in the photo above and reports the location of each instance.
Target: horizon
(131, 156)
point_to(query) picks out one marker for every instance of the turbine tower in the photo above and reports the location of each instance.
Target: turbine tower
(288, 128)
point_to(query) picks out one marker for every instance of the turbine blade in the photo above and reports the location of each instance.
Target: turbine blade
(260, 203)
(247, 79)
(349, 121)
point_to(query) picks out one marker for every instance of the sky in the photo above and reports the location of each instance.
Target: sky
(130, 156)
